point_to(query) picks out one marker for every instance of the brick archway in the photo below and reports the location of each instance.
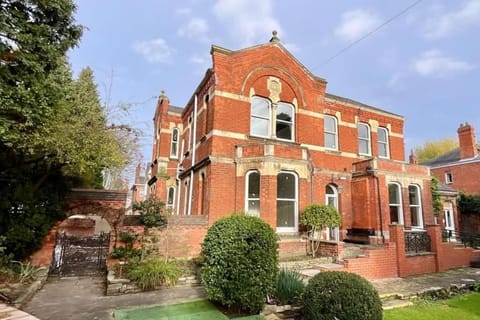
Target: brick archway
(92, 212)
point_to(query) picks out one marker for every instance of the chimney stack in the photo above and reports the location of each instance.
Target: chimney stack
(413, 158)
(138, 170)
(467, 141)
(163, 101)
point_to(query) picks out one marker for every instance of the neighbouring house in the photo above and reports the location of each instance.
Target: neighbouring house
(139, 187)
(261, 135)
(459, 170)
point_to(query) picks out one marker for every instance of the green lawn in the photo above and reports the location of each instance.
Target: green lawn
(196, 310)
(465, 307)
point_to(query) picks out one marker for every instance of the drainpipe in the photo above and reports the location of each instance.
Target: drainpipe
(372, 172)
(179, 169)
(194, 136)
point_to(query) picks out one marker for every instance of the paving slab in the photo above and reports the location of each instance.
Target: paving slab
(11, 313)
(410, 286)
(80, 298)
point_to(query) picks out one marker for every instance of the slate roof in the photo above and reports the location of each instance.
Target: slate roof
(444, 188)
(448, 158)
(360, 104)
(175, 109)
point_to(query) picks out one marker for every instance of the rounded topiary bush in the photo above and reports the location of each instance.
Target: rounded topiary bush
(240, 262)
(341, 295)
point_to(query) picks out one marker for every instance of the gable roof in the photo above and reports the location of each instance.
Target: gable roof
(271, 43)
(450, 158)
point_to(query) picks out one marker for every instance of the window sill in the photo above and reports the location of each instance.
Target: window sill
(333, 151)
(278, 141)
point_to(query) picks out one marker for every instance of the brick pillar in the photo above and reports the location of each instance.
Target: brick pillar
(435, 233)
(398, 237)
(268, 203)
(43, 257)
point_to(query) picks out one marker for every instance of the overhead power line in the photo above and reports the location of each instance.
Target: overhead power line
(341, 51)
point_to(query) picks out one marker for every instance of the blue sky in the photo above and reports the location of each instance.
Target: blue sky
(424, 64)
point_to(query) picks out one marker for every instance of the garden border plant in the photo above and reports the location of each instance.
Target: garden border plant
(341, 295)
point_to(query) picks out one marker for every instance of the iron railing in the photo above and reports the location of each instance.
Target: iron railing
(468, 239)
(417, 242)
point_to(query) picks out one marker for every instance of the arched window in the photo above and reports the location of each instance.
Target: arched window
(174, 143)
(287, 212)
(252, 192)
(383, 148)
(284, 121)
(330, 132)
(331, 199)
(414, 197)
(395, 203)
(170, 199)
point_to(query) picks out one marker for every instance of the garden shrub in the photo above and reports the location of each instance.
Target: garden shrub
(290, 286)
(153, 272)
(341, 295)
(240, 262)
(127, 251)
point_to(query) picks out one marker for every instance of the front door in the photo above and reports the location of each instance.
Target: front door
(449, 221)
(331, 199)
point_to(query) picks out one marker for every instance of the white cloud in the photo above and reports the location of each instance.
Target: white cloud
(435, 64)
(356, 23)
(154, 51)
(249, 21)
(196, 28)
(448, 23)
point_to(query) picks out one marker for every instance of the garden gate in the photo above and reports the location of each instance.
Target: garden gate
(80, 255)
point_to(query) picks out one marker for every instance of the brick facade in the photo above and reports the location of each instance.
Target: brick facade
(221, 141)
(261, 135)
(460, 168)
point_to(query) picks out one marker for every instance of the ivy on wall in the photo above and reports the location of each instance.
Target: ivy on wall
(469, 204)
(436, 201)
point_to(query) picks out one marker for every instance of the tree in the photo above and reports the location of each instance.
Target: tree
(79, 137)
(432, 149)
(317, 217)
(34, 37)
(54, 132)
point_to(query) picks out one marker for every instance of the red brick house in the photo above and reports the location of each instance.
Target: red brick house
(460, 168)
(261, 135)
